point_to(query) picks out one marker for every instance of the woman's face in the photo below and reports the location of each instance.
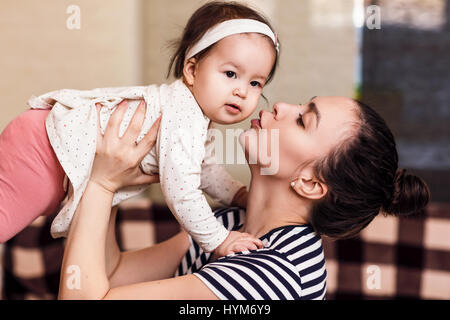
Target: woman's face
(292, 135)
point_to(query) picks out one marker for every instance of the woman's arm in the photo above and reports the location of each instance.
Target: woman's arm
(115, 166)
(85, 247)
(113, 254)
(156, 262)
(140, 274)
(125, 267)
(187, 287)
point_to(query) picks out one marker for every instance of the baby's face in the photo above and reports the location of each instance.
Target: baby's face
(228, 81)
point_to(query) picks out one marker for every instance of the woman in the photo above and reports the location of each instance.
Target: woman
(338, 170)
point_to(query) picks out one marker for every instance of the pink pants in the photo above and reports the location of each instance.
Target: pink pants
(31, 178)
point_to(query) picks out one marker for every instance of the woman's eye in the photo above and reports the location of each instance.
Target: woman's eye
(300, 120)
(255, 84)
(230, 74)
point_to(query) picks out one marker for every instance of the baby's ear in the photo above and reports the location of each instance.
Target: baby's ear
(189, 71)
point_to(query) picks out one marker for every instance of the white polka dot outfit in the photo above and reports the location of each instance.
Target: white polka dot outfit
(183, 155)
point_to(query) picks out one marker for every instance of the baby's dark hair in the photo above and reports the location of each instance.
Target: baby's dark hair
(363, 179)
(201, 21)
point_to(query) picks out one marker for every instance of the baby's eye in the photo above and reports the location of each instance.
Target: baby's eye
(230, 74)
(300, 120)
(255, 84)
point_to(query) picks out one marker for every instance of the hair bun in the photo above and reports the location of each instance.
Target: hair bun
(410, 195)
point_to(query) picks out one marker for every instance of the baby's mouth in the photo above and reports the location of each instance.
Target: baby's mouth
(233, 108)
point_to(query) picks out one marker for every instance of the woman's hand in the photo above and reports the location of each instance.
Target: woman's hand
(117, 160)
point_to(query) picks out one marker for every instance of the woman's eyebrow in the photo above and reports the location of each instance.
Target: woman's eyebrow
(311, 107)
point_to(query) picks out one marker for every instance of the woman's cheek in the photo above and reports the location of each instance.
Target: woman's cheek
(291, 153)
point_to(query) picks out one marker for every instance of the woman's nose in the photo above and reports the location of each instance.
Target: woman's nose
(275, 109)
(280, 109)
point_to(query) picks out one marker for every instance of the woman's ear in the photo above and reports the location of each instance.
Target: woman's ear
(189, 71)
(308, 186)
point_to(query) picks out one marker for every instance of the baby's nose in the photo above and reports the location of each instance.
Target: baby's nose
(240, 91)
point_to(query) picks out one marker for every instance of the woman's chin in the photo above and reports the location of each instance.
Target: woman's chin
(258, 156)
(248, 138)
(249, 143)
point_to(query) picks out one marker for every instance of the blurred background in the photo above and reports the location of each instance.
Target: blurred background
(393, 55)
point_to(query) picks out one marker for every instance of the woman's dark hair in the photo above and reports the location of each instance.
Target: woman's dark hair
(363, 178)
(201, 21)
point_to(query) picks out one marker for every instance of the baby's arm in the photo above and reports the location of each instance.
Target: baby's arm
(180, 157)
(180, 166)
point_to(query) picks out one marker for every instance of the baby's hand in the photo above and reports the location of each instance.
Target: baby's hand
(237, 242)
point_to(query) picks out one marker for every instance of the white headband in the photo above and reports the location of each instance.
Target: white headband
(228, 28)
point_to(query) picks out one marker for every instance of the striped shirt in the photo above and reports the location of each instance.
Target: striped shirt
(290, 266)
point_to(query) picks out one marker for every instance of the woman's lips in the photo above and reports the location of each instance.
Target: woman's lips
(256, 123)
(232, 108)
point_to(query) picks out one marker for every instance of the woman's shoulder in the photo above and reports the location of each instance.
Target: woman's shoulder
(292, 238)
(290, 266)
(297, 245)
(300, 245)
(289, 240)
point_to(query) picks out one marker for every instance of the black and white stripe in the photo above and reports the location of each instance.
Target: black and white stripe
(290, 266)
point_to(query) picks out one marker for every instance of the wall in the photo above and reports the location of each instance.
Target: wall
(406, 78)
(126, 43)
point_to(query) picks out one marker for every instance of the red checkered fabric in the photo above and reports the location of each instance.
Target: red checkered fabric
(392, 258)
(32, 259)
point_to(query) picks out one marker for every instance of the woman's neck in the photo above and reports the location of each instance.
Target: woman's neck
(271, 204)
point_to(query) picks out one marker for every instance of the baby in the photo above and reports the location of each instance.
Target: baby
(227, 54)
